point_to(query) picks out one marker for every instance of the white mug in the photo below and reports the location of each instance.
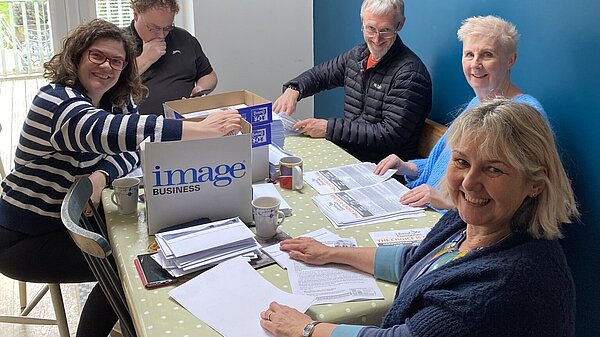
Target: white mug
(125, 194)
(267, 216)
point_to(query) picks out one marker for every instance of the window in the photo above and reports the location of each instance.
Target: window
(115, 11)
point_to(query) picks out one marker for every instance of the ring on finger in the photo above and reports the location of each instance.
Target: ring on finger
(269, 317)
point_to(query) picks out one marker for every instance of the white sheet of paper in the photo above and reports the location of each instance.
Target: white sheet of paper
(230, 297)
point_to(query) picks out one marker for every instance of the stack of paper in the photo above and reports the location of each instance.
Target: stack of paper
(367, 205)
(344, 178)
(186, 250)
(277, 131)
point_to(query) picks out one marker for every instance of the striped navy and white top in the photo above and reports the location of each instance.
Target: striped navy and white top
(64, 137)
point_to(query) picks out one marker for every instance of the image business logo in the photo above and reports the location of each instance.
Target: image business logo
(190, 179)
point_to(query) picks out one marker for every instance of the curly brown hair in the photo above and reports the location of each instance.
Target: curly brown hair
(143, 5)
(64, 66)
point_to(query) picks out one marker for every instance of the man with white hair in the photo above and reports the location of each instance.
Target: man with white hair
(387, 90)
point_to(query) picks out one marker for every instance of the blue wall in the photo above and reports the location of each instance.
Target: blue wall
(558, 62)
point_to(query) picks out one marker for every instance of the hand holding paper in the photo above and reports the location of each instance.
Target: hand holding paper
(312, 127)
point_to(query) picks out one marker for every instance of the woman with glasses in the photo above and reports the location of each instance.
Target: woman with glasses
(489, 53)
(83, 123)
(491, 267)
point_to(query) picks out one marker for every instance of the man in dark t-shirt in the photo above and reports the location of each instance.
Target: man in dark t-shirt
(170, 60)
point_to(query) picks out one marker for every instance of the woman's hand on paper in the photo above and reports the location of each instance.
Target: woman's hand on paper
(423, 195)
(393, 162)
(283, 321)
(287, 102)
(307, 250)
(219, 123)
(312, 127)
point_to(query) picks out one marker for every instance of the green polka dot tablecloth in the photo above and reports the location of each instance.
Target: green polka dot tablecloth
(156, 314)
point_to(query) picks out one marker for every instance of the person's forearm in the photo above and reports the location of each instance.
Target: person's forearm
(194, 130)
(361, 258)
(142, 64)
(207, 82)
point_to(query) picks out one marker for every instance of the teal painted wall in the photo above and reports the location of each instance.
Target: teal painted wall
(558, 62)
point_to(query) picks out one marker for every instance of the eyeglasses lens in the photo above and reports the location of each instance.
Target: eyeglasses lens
(99, 58)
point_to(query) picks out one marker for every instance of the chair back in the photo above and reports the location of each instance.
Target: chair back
(432, 132)
(90, 237)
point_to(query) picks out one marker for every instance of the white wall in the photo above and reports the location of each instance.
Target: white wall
(66, 15)
(256, 45)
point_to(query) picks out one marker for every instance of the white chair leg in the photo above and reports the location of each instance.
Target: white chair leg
(36, 299)
(22, 295)
(59, 309)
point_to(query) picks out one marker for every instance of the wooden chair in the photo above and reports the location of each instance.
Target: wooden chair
(25, 308)
(57, 302)
(96, 249)
(432, 132)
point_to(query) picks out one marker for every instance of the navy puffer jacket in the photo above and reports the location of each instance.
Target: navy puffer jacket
(384, 107)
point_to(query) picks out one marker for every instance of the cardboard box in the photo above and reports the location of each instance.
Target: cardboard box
(186, 180)
(258, 112)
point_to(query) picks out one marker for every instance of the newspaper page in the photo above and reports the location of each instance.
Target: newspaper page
(407, 237)
(344, 178)
(364, 205)
(332, 283)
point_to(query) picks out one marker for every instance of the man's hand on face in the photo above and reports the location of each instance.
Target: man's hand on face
(154, 49)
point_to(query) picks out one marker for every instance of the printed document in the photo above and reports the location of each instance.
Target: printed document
(366, 205)
(230, 297)
(333, 283)
(344, 178)
(409, 237)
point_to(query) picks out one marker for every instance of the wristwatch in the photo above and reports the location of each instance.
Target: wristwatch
(293, 87)
(309, 328)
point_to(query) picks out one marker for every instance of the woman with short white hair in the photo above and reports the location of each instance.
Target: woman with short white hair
(489, 53)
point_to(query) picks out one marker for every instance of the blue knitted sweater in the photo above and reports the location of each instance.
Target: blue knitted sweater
(432, 169)
(517, 287)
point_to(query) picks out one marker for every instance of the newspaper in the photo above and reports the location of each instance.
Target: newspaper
(344, 178)
(366, 205)
(409, 237)
(332, 283)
